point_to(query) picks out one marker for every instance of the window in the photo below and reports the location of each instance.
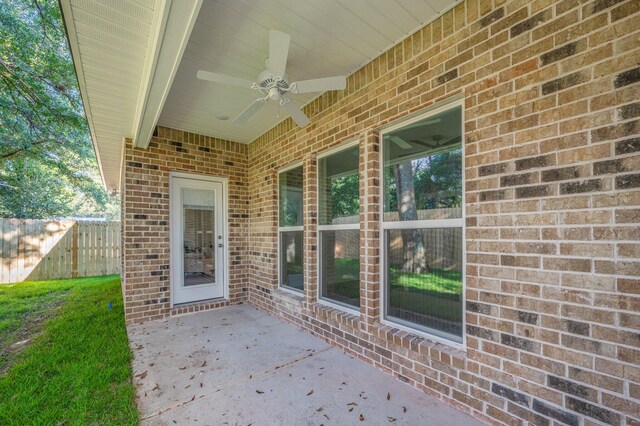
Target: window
(339, 227)
(290, 229)
(423, 223)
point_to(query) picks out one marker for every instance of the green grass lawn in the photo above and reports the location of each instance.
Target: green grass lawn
(76, 370)
(438, 293)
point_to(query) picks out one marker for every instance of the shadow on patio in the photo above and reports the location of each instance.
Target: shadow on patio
(239, 365)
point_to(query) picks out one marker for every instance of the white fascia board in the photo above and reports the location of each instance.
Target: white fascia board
(175, 22)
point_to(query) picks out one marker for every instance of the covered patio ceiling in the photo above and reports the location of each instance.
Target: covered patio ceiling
(137, 60)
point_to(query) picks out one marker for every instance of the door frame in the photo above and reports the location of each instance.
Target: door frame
(225, 233)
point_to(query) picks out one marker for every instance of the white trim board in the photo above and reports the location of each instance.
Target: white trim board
(172, 36)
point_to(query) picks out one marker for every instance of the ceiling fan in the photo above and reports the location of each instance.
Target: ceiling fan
(273, 83)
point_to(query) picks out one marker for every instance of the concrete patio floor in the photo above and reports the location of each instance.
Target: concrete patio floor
(241, 366)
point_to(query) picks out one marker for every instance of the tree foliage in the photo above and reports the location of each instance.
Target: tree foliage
(47, 164)
(345, 196)
(430, 182)
(437, 181)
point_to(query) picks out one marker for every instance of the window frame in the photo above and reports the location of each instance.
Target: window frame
(289, 229)
(416, 329)
(349, 143)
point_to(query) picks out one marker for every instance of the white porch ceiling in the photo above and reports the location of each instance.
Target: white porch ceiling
(109, 45)
(328, 37)
(137, 60)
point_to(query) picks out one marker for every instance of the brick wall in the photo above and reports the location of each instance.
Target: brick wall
(145, 217)
(552, 155)
(552, 192)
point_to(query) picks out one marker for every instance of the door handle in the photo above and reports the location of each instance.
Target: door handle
(219, 244)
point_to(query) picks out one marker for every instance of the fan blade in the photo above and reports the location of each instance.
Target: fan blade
(296, 114)
(249, 111)
(422, 124)
(278, 52)
(400, 142)
(224, 79)
(320, 84)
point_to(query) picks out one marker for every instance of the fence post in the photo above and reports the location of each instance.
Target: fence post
(74, 250)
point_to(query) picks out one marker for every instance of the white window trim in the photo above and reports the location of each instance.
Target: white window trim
(425, 332)
(289, 229)
(339, 227)
(350, 143)
(424, 223)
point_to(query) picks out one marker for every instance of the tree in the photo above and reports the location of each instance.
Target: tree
(415, 256)
(345, 195)
(430, 182)
(47, 164)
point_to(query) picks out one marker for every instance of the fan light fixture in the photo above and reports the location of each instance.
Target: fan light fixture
(273, 84)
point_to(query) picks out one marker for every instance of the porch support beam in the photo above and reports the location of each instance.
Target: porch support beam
(173, 24)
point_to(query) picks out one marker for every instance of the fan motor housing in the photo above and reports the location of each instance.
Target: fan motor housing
(268, 81)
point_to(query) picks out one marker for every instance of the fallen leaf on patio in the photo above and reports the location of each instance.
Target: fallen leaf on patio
(204, 364)
(351, 409)
(250, 376)
(156, 387)
(182, 368)
(200, 384)
(404, 409)
(187, 387)
(388, 396)
(259, 392)
(391, 419)
(192, 376)
(352, 403)
(310, 392)
(194, 397)
(361, 418)
(326, 416)
(319, 409)
(142, 375)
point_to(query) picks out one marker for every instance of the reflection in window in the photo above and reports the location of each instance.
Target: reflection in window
(340, 266)
(339, 218)
(423, 169)
(290, 206)
(291, 259)
(422, 188)
(290, 186)
(425, 290)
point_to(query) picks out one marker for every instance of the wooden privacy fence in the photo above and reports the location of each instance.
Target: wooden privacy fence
(33, 249)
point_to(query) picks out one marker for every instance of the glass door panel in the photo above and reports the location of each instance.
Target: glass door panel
(199, 230)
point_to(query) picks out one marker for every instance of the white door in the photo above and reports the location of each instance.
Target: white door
(198, 243)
